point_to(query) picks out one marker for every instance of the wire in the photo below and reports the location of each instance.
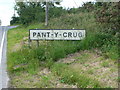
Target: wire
(75, 3)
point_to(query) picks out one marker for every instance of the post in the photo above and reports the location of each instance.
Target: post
(37, 43)
(46, 13)
(29, 43)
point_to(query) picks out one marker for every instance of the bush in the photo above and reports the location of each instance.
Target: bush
(55, 50)
(108, 15)
(39, 53)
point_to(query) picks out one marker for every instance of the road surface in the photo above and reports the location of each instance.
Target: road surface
(4, 79)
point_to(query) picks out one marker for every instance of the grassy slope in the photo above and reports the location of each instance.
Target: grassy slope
(30, 62)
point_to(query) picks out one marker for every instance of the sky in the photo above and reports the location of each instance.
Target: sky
(7, 8)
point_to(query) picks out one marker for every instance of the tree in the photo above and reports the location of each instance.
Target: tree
(29, 11)
(108, 14)
(35, 11)
(15, 20)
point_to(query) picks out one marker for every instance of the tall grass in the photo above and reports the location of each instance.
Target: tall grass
(31, 59)
(71, 77)
(55, 50)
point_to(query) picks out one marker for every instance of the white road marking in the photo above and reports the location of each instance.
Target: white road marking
(1, 47)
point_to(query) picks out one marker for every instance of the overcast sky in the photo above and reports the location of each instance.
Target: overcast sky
(7, 8)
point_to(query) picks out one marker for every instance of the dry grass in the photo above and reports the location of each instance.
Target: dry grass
(43, 79)
(90, 64)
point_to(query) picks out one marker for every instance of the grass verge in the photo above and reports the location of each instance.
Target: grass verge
(22, 59)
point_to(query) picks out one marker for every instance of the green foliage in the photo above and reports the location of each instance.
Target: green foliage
(35, 12)
(105, 64)
(83, 58)
(108, 14)
(30, 13)
(71, 77)
(31, 59)
(39, 53)
(15, 20)
(56, 12)
(54, 50)
(23, 60)
(87, 7)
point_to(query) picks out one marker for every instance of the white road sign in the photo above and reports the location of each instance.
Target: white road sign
(41, 34)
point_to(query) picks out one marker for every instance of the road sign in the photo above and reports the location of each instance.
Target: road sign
(47, 34)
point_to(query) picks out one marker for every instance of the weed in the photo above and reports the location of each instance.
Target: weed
(30, 60)
(71, 77)
(105, 64)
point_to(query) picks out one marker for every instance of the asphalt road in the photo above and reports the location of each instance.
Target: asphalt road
(4, 79)
(1, 33)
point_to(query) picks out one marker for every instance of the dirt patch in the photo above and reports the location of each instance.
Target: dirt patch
(17, 47)
(94, 66)
(90, 63)
(70, 58)
(43, 79)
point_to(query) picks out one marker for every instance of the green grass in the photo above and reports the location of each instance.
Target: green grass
(105, 64)
(31, 81)
(22, 59)
(83, 58)
(71, 77)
